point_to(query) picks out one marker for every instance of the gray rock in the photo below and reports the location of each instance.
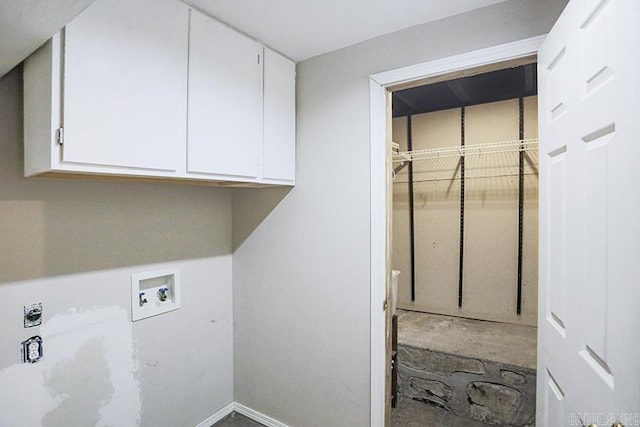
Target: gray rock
(493, 403)
(512, 378)
(429, 391)
(438, 363)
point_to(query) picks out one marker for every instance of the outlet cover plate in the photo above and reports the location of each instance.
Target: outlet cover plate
(31, 349)
(33, 315)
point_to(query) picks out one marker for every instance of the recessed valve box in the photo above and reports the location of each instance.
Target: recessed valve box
(154, 292)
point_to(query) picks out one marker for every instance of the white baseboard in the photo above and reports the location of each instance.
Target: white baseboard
(257, 416)
(241, 409)
(217, 416)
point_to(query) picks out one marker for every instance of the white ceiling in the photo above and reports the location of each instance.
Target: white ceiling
(27, 24)
(301, 29)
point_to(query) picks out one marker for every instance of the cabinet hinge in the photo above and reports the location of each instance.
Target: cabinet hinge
(60, 136)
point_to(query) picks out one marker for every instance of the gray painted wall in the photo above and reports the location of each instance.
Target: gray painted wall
(73, 246)
(301, 278)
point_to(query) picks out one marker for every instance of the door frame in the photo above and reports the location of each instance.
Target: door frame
(379, 87)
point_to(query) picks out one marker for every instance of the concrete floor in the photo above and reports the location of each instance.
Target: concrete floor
(512, 344)
(237, 420)
(496, 342)
(409, 413)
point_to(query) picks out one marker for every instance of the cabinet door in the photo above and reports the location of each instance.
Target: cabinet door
(125, 84)
(225, 100)
(279, 118)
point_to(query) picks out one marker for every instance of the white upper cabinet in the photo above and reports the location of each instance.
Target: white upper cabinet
(118, 75)
(125, 84)
(279, 158)
(225, 100)
(134, 114)
(151, 88)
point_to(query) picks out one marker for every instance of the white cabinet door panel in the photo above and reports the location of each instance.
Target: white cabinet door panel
(225, 100)
(279, 117)
(125, 85)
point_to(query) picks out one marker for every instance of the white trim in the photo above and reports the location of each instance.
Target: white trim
(378, 106)
(257, 416)
(241, 409)
(378, 127)
(478, 58)
(217, 416)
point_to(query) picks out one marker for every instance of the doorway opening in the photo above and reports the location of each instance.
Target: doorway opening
(381, 87)
(464, 249)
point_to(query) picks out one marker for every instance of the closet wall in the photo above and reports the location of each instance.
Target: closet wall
(490, 255)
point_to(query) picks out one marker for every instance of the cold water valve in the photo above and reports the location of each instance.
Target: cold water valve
(163, 294)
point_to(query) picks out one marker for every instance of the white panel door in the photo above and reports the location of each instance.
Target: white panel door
(589, 312)
(225, 100)
(279, 158)
(125, 84)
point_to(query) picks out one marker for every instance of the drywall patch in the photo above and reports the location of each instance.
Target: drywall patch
(23, 397)
(87, 375)
(85, 384)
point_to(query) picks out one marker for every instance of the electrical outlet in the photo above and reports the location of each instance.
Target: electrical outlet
(32, 315)
(32, 349)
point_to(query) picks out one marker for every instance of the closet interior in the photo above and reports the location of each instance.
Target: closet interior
(465, 244)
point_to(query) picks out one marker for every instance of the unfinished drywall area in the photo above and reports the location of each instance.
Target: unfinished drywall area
(490, 256)
(302, 301)
(100, 369)
(73, 246)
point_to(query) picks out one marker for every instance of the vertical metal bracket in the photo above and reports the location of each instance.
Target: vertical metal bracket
(520, 208)
(412, 227)
(461, 266)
